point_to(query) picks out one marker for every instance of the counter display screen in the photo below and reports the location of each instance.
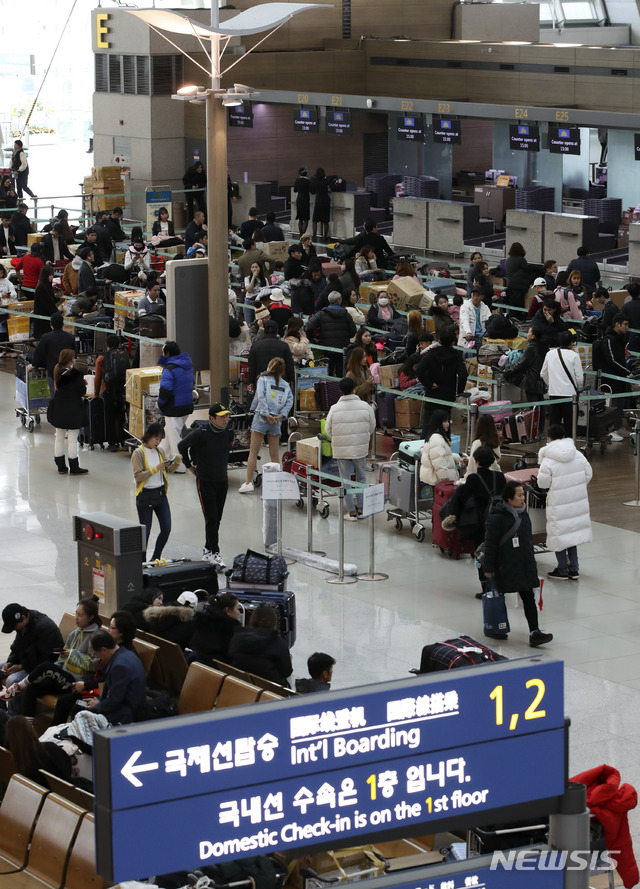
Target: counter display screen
(564, 140)
(411, 128)
(447, 130)
(338, 122)
(305, 120)
(524, 137)
(241, 115)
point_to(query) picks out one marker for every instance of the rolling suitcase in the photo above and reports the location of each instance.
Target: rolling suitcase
(601, 423)
(327, 394)
(386, 410)
(410, 454)
(176, 577)
(94, 432)
(531, 420)
(446, 540)
(283, 601)
(499, 410)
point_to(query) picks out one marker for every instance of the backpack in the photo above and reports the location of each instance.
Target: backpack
(512, 358)
(491, 353)
(597, 354)
(463, 651)
(115, 364)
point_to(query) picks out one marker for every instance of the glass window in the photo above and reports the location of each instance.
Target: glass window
(578, 12)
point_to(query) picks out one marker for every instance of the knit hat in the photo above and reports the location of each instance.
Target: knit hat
(262, 314)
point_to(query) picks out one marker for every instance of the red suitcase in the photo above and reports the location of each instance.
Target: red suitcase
(446, 540)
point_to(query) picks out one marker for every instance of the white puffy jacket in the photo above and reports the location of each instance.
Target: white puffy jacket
(566, 473)
(467, 320)
(350, 424)
(438, 463)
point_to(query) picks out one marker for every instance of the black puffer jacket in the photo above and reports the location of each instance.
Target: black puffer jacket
(526, 372)
(171, 622)
(137, 605)
(444, 366)
(36, 643)
(213, 633)
(263, 652)
(68, 401)
(261, 353)
(514, 567)
(333, 326)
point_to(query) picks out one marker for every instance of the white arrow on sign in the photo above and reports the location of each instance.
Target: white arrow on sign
(130, 768)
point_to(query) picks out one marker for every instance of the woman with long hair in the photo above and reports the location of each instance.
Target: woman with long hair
(526, 372)
(272, 402)
(30, 755)
(44, 302)
(350, 301)
(364, 340)
(254, 282)
(367, 266)
(296, 338)
(349, 279)
(66, 412)
(405, 269)
(485, 436)
(150, 468)
(438, 462)
(358, 371)
(439, 311)
(415, 327)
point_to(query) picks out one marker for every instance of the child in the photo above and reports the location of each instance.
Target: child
(277, 276)
(454, 308)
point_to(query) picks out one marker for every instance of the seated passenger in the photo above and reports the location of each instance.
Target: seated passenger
(215, 627)
(260, 649)
(320, 667)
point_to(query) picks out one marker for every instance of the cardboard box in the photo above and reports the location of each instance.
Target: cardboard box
(410, 288)
(18, 327)
(308, 451)
(308, 400)
(136, 422)
(369, 292)
(389, 376)
(623, 236)
(150, 352)
(408, 413)
(276, 250)
(141, 380)
(620, 297)
(126, 306)
(34, 238)
(109, 172)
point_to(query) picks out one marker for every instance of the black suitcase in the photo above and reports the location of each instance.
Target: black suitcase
(463, 651)
(284, 602)
(176, 577)
(94, 432)
(153, 326)
(601, 423)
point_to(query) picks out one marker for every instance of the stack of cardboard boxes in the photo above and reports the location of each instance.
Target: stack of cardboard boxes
(141, 392)
(628, 216)
(107, 188)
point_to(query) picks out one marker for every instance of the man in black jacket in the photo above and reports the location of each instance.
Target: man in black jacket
(612, 360)
(263, 350)
(38, 640)
(53, 245)
(112, 224)
(334, 327)
(194, 229)
(51, 344)
(103, 237)
(375, 240)
(205, 450)
(22, 225)
(125, 681)
(443, 374)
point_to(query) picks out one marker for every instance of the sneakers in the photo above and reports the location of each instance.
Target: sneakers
(539, 638)
(246, 488)
(9, 691)
(615, 437)
(574, 575)
(351, 517)
(555, 575)
(216, 559)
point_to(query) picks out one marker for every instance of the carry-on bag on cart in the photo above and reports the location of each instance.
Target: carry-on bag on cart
(448, 541)
(94, 432)
(283, 601)
(259, 571)
(197, 576)
(463, 651)
(327, 394)
(386, 410)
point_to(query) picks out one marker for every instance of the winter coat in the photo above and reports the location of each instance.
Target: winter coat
(49, 348)
(444, 366)
(70, 275)
(333, 325)
(125, 687)
(171, 622)
(176, 385)
(589, 270)
(302, 188)
(442, 320)
(44, 303)
(47, 248)
(467, 320)
(472, 466)
(86, 278)
(300, 348)
(365, 383)
(261, 353)
(80, 662)
(376, 320)
(438, 462)
(322, 207)
(263, 652)
(36, 643)
(137, 605)
(609, 801)
(272, 399)
(566, 472)
(212, 635)
(514, 567)
(547, 331)
(207, 448)
(350, 424)
(526, 371)
(67, 405)
(555, 376)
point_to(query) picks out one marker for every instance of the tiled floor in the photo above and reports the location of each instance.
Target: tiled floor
(374, 630)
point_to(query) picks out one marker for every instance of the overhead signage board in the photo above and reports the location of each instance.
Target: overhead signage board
(447, 130)
(241, 115)
(564, 140)
(350, 764)
(410, 128)
(524, 137)
(305, 120)
(338, 122)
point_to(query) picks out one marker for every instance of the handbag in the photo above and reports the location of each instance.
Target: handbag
(253, 567)
(494, 611)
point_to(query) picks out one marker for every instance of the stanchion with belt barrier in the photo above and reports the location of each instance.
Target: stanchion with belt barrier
(635, 444)
(341, 578)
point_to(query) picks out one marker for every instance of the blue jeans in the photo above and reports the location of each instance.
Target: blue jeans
(357, 467)
(568, 560)
(21, 184)
(163, 514)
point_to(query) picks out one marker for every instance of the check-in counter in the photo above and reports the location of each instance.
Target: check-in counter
(252, 194)
(410, 223)
(527, 227)
(349, 209)
(633, 267)
(451, 224)
(564, 233)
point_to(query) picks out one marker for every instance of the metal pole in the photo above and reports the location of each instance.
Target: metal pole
(279, 522)
(635, 441)
(472, 417)
(569, 831)
(341, 577)
(574, 418)
(310, 548)
(371, 573)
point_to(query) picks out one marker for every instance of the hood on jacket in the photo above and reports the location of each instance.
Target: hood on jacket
(336, 309)
(563, 450)
(182, 613)
(183, 360)
(76, 263)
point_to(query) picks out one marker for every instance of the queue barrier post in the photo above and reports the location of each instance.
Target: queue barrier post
(341, 578)
(635, 444)
(310, 507)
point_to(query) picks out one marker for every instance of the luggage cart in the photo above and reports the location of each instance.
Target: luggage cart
(32, 394)
(409, 505)
(369, 863)
(303, 472)
(212, 878)
(240, 447)
(306, 375)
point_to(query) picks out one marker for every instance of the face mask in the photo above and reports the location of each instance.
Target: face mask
(383, 301)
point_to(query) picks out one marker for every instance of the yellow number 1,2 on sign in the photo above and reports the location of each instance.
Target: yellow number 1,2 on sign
(532, 711)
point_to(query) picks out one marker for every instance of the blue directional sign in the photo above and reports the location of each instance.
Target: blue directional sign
(327, 768)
